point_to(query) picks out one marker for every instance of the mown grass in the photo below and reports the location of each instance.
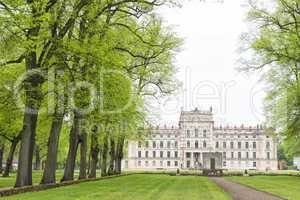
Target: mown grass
(284, 186)
(7, 182)
(135, 187)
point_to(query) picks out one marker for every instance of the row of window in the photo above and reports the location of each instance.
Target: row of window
(161, 154)
(196, 133)
(225, 164)
(239, 145)
(161, 163)
(233, 155)
(161, 144)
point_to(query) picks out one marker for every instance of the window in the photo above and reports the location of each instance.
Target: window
(268, 155)
(254, 145)
(139, 154)
(231, 145)
(176, 154)
(224, 155)
(239, 145)
(247, 145)
(147, 144)
(161, 144)
(154, 144)
(254, 164)
(196, 144)
(154, 154)
(188, 144)
(140, 144)
(161, 154)
(169, 154)
(161, 163)
(247, 155)
(188, 164)
(146, 154)
(176, 144)
(188, 134)
(254, 155)
(204, 133)
(268, 145)
(169, 163)
(204, 144)
(224, 145)
(188, 155)
(239, 155)
(176, 163)
(169, 144)
(147, 163)
(224, 164)
(232, 155)
(196, 133)
(139, 163)
(217, 144)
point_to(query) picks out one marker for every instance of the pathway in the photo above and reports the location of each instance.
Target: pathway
(242, 192)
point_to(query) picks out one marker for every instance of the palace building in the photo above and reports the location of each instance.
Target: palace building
(198, 144)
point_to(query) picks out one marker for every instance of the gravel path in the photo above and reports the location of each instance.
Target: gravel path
(242, 192)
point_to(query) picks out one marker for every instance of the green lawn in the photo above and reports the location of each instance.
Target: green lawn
(135, 187)
(284, 186)
(36, 178)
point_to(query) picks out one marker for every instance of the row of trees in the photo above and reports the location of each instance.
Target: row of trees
(273, 47)
(75, 76)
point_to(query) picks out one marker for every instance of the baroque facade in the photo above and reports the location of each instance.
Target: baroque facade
(198, 144)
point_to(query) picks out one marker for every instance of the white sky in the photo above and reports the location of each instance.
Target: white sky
(207, 64)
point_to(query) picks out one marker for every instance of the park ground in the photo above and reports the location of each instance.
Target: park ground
(160, 187)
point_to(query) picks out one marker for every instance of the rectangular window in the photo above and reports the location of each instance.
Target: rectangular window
(188, 164)
(188, 144)
(154, 144)
(196, 144)
(188, 134)
(161, 144)
(268, 155)
(146, 154)
(169, 154)
(247, 155)
(239, 145)
(176, 144)
(204, 144)
(169, 163)
(247, 145)
(161, 154)
(204, 133)
(154, 154)
(139, 154)
(254, 164)
(254, 145)
(254, 155)
(147, 144)
(217, 145)
(224, 145)
(239, 155)
(176, 163)
(196, 133)
(176, 154)
(188, 155)
(231, 145)
(139, 144)
(224, 164)
(232, 155)
(169, 144)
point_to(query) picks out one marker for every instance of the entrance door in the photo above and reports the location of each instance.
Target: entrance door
(212, 163)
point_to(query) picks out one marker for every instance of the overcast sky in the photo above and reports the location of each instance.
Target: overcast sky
(207, 64)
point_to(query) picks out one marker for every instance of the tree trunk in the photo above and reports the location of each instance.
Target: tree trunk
(1, 158)
(73, 146)
(104, 157)
(37, 165)
(51, 160)
(112, 155)
(10, 157)
(33, 96)
(83, 153)
(119, 155)
(94, 155)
